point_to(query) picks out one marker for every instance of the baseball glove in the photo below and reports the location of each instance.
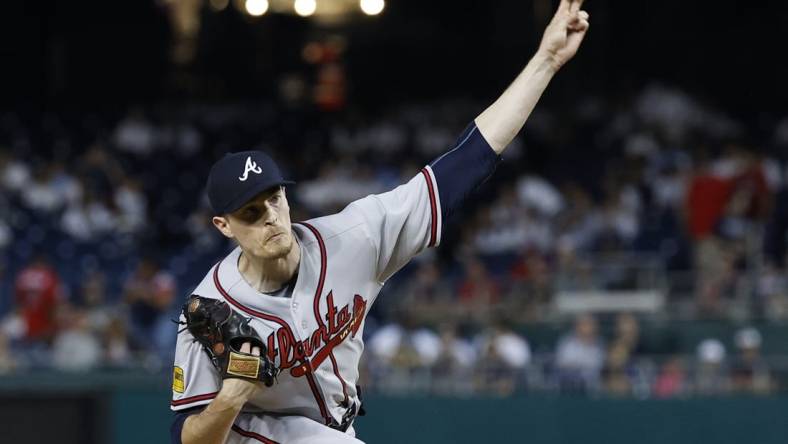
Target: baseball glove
(221, 331)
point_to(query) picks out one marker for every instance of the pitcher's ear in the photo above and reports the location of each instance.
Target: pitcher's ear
(222, 224)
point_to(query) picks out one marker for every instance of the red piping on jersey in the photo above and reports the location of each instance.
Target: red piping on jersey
(312, 385)
(191, 399)
(252, 435)
(336, 372)
(244, 308)
(321, 403)
(433, 208)
(318, 294)
(323, 265)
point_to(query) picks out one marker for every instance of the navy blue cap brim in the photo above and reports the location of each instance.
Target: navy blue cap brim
(247, 195)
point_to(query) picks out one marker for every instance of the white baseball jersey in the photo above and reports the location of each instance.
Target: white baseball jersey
(315, 336)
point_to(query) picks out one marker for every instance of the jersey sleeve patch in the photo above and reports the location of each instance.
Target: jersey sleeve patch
(178, 382)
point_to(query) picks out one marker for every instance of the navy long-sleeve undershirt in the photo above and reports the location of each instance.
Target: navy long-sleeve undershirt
(463, 169)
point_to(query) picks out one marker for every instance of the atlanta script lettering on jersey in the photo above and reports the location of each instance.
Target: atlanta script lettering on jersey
(293, 354)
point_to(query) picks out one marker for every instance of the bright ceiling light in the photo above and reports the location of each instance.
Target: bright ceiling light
(372, 7)
(256, 7)
(305, 8)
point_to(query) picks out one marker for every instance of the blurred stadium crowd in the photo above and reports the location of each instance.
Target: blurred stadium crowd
(104, 230)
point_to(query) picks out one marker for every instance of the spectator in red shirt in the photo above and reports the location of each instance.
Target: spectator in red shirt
(38, 292)
(672, 379)
(724, 198)
(706, 201)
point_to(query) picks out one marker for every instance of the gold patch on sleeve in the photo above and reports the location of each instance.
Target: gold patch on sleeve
(245, 366)
(178, 384)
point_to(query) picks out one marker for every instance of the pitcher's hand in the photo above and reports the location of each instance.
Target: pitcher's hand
(562, 37)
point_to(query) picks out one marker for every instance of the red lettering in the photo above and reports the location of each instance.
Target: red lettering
(340, 324)
(324, 334)
(344, 316)
(271, 348)
(359, 310)
(317, 338)
(285, 348)
(332, 312)
(307, 347)
(298, 351)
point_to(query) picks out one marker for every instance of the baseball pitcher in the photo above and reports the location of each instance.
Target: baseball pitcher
(270, 340)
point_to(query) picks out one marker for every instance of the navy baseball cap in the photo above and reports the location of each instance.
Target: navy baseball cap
(238, 177)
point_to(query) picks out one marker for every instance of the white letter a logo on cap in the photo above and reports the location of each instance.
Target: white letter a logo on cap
(250, 166)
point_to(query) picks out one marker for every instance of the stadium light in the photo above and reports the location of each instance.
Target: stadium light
(305, 8)
(372, 7)
(256, 7)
